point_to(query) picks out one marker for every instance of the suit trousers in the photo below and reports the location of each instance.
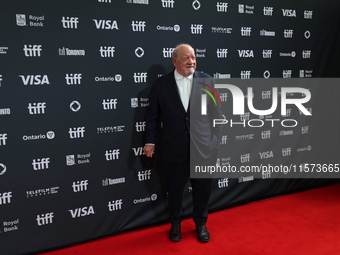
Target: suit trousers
(177, 176)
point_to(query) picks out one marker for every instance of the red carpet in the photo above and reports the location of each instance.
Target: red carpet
(307, 222)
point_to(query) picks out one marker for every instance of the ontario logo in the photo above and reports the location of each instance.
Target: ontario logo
(212, 93)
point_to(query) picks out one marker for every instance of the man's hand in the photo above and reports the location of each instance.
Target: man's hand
(149, 150)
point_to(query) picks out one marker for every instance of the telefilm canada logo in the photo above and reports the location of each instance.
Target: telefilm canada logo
(239, 99)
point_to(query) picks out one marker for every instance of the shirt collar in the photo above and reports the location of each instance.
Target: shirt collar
(180, 77)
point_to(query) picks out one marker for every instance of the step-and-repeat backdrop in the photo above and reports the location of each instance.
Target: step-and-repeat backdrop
(74, 83)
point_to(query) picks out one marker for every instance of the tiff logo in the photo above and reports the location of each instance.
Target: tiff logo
(266, 94)
(287, 74)
(308, 14)
(45, 219)
(107, 51)
(267, 53)
(70, 22)
(76, 132)
(286, 152)
(168, 3)
(167, 52)
(245, 74)
(224, 139)
(144, 175)
(138, 26)
(109, 104)
(266, 134)
(304, 130)
(140, 126)
(112, 154)
(245, 31)
(268, 11)
(73, 79)
(288, 112)
(115, 205)
(196, 29)
(140, 77)
(245, 116)
(306, 53)
(222, 183)
(222, 53)
(3, 138)
(79, 186)
(104, 1)
(36, 108)
(40, 164)
(222, 7)
(5, 198)
(288, 33)
(32, 50)
(245, 158)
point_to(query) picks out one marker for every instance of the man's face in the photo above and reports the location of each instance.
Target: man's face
(185, 63)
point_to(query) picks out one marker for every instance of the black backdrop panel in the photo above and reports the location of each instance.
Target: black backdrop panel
(74, 84)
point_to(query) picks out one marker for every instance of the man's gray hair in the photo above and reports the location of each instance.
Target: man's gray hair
(175, 52)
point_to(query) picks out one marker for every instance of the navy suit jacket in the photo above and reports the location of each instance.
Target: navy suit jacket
(181, 128)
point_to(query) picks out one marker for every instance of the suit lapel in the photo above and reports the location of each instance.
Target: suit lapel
(173, 92)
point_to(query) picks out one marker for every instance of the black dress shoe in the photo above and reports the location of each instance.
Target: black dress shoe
(175, 233)
(202, 234)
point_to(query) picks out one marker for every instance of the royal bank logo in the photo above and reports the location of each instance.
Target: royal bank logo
(106, 24)
(139, 102)
(246, 9)
(306, 73)
(70, 22)
(200, 53)
(32, 21)
(78, 159)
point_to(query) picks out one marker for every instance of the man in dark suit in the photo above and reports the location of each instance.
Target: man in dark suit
(186, 134)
